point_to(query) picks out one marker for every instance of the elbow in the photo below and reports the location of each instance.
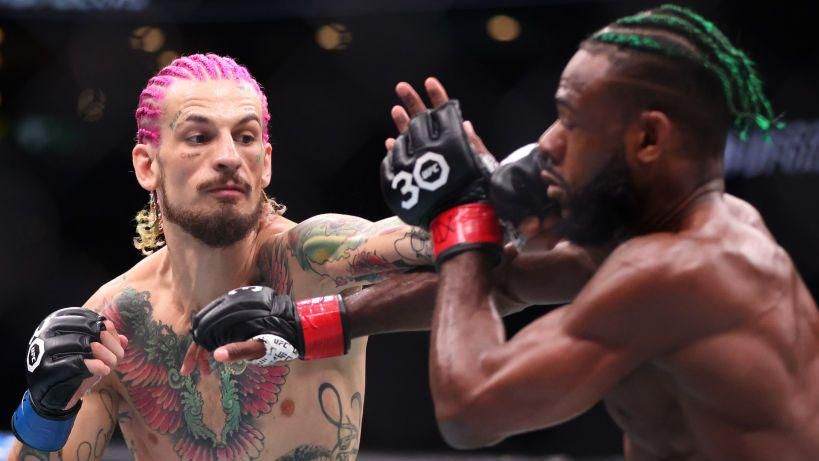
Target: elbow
(465, 426)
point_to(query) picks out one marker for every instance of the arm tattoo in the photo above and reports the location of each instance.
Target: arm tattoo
(173, 405)
(347, 431)
(125, 418)
(323, 239)
(93, 450)
(30, 454)
(87, 450)
(352, 250)
(415, 246)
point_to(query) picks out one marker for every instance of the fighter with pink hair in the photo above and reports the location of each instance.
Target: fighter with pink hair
(203, 154)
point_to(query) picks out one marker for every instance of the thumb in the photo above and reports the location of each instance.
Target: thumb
(245, 350)
(474, 139)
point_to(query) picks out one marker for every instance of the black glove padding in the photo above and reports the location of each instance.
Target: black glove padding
(432, 168)
(54, 363)
(516, 189)
(244, 313)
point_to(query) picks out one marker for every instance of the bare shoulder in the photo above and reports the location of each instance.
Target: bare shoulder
(661, 290)
(332, 224)
(141, 274)
(745, 212)
(103, 296)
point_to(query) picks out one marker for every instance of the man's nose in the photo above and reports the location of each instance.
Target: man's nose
(552, 145)
(228, 158)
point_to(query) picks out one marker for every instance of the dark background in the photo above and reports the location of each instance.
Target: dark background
(71, 71)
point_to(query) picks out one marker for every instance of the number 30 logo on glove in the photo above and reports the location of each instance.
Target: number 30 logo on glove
(430, 173)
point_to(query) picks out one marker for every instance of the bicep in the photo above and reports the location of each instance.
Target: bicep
(353, 251)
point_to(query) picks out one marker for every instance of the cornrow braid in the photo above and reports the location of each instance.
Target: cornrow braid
(200, 67)
(764, 116)
(735, 71)
(193, 67)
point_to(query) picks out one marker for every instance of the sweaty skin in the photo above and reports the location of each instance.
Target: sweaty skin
(698, 332)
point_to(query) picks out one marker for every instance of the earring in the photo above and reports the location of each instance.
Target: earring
(154, 215)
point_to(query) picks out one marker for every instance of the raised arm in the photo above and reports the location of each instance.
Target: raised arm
(71, 352)
(486, 388)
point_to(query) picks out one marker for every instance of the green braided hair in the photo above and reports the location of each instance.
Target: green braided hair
(736, 72)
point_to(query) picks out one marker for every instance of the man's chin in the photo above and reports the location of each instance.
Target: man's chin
(221, 228)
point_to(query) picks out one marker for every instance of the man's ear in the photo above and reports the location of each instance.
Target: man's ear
(268, 161)
(649, 136)
(145, 166)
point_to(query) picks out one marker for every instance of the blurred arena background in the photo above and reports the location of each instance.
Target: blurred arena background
(71, 71)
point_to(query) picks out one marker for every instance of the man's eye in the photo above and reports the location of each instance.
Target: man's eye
(247, 139)
(196, 139)
(566, 123)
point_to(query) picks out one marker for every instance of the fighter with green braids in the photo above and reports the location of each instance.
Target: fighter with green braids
(696, 330)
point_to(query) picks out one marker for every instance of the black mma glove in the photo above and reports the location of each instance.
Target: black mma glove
(55, 370)
(308, 329)
(434, 180)
(516, 189)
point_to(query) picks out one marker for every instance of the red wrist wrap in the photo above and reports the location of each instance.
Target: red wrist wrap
(321, 326)
(470, 223)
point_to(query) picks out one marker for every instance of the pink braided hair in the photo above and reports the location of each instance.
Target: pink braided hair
(191, 67)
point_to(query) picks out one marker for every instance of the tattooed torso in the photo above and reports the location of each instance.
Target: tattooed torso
(239, 411)
(295, 412)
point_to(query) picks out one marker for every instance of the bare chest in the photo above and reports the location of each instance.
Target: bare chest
(237, 412)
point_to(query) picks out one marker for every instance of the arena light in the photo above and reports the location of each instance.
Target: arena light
(165, 58)
(147, 38)
(33, 133)
(333, 36)
(503, 28)
(91, 104)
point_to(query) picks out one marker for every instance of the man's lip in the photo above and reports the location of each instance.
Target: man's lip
(231, 187)
(555, 188)
(553, 178)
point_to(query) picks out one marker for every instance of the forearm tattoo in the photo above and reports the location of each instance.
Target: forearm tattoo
(30, 454)
(92, 450)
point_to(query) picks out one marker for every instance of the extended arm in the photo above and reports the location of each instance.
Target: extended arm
(400, 302)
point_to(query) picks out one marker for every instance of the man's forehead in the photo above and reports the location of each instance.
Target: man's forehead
(583, 70)
(221, 96)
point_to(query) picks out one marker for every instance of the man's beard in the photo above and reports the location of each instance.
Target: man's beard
(219, 227)
(605, 210)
